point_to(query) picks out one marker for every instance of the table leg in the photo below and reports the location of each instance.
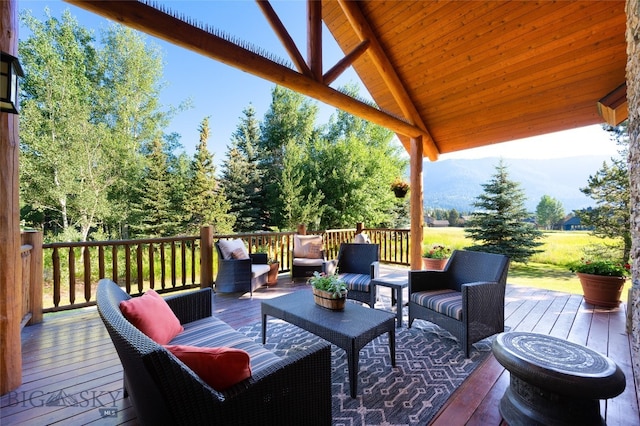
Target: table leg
(264, 329)
(399, 306)
(353, 357)
(392, 346)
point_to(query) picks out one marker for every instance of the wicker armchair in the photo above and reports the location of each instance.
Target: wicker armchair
(357, 264)
(466, 298)
(162, 390)
(241, 274)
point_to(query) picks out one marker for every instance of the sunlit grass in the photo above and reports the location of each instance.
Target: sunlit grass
(547, 269)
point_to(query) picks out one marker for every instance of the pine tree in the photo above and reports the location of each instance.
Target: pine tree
(499, 224)
(153, 210)
(207, 204)
(240, 175)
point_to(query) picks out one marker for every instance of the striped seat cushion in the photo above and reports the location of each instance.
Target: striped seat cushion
(357, 282)
(446, 302)
(212, 333)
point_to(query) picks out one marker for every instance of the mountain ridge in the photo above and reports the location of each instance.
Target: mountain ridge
(455, 183)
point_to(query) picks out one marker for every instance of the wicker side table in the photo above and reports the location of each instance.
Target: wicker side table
(554, 381)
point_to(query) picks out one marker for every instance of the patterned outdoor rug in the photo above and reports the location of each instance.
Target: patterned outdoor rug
(429, 367)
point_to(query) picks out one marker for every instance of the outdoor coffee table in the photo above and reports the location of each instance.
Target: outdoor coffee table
(350, 329)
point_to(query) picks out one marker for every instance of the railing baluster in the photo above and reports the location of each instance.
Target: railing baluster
(183, 259)
(139, 271)
(86, 259)
(127, 267)
(163, 270)
(56, 277)
(173, 264)
(100, 262)
(152, 267)
(114, 263)
(193, 261)
(72, 275)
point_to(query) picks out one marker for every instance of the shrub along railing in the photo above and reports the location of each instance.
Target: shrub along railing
(71, 270)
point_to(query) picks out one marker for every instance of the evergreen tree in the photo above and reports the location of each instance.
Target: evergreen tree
(206, 203)
(610, 189)
(499, 224)
(241, 177)
(153, 211)
(290, 119)
(549, 211)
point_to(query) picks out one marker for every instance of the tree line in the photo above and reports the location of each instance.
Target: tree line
(96, 162)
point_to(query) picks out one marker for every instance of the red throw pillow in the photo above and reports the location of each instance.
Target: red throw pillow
(151, 315)
(220, 368)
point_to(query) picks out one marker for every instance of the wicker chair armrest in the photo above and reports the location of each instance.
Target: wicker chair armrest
(191, 306)
(259, 258)
(482, 299)
(375, 270)
(296, 389)
(420, 280)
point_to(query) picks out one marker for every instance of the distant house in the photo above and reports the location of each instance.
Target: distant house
(572, 223)
(436, 223)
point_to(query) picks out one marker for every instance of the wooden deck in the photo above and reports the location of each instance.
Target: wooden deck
(72, 375)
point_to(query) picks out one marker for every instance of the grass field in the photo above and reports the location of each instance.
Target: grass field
(547, 269)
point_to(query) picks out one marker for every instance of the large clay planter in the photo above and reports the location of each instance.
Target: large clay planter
(272, 277)
(434, 264)
(601, 290)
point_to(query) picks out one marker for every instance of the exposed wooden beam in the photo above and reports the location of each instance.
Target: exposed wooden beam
(385, 68)
(345, 62)
(314, 38)
(285, 38)
(166, 27)
(613, 108)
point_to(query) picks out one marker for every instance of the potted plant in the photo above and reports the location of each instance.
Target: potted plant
(400, 188)
(435, 257)
(272, 275)
(602, 281)
(329, 291)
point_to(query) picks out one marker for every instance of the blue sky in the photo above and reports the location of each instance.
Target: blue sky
(222, 92)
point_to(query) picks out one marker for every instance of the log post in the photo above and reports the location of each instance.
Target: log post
(302, 229)
(359, 227)
(10, 264)
(206, 256)
(416, 209)
(34, 239)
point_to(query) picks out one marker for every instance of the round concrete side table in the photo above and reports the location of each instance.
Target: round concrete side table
(554, 381)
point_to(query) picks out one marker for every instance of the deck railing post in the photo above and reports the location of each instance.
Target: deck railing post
(302, 229)
(36, 278)
(206, 256)
(359, 227)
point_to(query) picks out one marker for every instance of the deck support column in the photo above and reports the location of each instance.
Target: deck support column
(10, 265)
(415, 199)
(633, 99)
(206, 257)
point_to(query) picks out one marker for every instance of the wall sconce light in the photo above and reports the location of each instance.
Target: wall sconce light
(10, 70)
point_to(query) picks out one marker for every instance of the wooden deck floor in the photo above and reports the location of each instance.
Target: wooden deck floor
(72, 375)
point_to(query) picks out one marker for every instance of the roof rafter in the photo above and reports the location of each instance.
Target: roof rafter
(385, 68)
(164, 26)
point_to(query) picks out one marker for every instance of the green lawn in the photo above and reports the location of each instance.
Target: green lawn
(546, 269)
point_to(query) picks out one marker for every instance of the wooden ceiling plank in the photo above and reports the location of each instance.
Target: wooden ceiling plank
(164, 26)
(285, 38)
(385, 68)
(345, 63)
(314, 38)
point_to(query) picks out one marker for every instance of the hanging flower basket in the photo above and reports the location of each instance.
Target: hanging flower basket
(400, 188)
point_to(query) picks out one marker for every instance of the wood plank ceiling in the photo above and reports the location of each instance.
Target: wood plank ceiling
(462, 74)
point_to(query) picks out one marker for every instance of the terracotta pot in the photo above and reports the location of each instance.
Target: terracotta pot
(434, 264)
(601, 290)
(272, 275)
(326, 300)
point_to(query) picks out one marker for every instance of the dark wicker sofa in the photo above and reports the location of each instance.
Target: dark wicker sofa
(280, 391)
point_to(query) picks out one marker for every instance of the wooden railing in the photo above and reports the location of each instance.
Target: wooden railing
(72, 270)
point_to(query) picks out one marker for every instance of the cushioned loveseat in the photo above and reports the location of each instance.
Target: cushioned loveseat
(163, 390)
